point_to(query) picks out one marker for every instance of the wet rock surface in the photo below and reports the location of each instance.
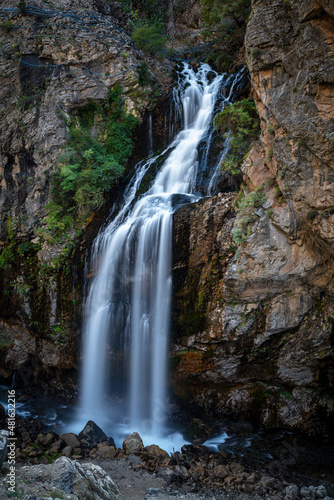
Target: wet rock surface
(258, 340)
(60, 57)
(280, 466)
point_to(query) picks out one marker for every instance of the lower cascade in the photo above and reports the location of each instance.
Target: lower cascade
(127, 310)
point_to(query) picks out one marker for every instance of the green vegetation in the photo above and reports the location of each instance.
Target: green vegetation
(6, 25)
(255, 52)
(148, 9)
(270, 153)
(278, 193)
(90, 164)
(5, 343)
(22, 6)
(149, 39)
(242, 122)
(148, 32)
(147, 23)
(213, 11)
(144, 74)
(174, 361)
(225, 20)
(245, 213)
(311, 214)
(12, 250)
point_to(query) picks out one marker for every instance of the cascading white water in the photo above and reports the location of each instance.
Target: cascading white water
(128, 307)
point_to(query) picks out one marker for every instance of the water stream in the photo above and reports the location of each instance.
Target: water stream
(127, 310)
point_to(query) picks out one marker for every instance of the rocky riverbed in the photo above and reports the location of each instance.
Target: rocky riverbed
(89, 465)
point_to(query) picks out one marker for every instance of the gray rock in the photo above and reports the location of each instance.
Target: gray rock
(156, 452)
(70, 439)
(320, 492)
(291, 492)
(305, 492)
(47, 440)
(35, 497)
(167, 474)
(133, 444)
(198, 431)
(154, 491)
(3, 446)
(67, 477)
(67, 451)
(220, 472)
(92, 433)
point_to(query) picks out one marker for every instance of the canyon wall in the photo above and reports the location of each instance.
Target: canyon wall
(252, 320)
(57, 58)
(264, 346)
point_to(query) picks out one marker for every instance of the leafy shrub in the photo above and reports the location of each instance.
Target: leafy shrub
(245, 213)
(12, 251)
(22, 6)
(312, 214)
(213, 11)
(144, 74)
(149, 38)
(242, 122)
(90, 166)
(6, 25)
(225, 23)
(270, 153)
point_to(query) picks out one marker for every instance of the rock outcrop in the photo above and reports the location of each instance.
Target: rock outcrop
(273, 357)
(56, 58)
(67, 477)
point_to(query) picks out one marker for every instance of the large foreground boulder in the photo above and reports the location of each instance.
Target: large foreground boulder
(67, 478)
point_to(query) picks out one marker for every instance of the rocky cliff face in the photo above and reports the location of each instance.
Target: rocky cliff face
(252, 322)
(56, 58)
(272, 356)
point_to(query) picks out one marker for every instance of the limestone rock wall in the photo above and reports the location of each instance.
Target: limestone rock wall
(273, 359)
(55, 58)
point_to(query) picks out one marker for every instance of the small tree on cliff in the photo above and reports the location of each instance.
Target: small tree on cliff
(214, 11)
(225, 22)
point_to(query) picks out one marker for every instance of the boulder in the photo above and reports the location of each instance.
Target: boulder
(133, 444)
(169, 475)
(156, 453)
(3, 446)
(105, 451)
(195, 450)
(198, 431)
(67, 477)
(220, 472)
(47, 439)
(67, 451)
(291, 492)
(70, 439)
(92, 433)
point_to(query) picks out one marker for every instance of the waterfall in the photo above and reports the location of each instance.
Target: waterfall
(127, 309)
